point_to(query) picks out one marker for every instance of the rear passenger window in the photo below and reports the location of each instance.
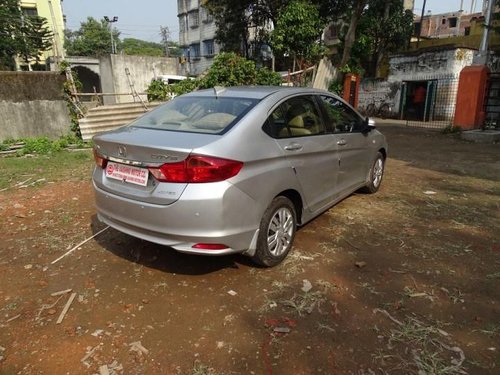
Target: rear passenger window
(296, 117)
(342, 119)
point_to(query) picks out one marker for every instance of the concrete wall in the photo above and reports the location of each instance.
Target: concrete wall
(422, 65)
(142, 70)
(379, 91)
(32, 105)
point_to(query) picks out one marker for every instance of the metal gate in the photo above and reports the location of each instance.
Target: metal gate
(436, 109)
(492, 102)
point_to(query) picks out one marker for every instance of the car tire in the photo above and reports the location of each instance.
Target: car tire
(376, 175)
(276, 232)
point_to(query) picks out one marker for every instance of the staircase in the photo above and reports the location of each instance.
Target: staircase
(109, 117)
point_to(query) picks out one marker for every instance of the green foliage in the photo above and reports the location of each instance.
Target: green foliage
(185, 86)
(228, 69)
(298, 30)
(43, 145)
(26, 36)
(266, 77)
(132, 46)
(157, 90)
(337, 87)
(92, 39)
(74, 114)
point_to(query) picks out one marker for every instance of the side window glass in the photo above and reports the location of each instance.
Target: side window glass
(296, 117)
(342, 119)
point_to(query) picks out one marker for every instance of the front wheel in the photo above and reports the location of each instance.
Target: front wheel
(376, 175)
(276, 232)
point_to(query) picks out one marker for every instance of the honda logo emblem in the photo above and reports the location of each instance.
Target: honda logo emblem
(122, 150)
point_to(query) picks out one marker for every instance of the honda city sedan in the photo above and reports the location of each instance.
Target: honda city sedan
(235, 170)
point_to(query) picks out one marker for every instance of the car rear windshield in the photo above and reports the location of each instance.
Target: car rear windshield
(196, 114)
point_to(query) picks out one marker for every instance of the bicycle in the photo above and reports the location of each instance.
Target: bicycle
(383, 111)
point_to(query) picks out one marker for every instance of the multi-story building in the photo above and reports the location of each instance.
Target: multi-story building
(52, 11)
(196, 37)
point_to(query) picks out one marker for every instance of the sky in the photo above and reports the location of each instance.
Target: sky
(136, 19)
(142, 19)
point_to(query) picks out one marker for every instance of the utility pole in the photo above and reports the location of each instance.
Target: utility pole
(165, 38)
(421, 24)
(110, 21)
(482, 56)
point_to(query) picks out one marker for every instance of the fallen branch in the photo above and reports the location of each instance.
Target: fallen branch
(13, 318)
(66, 308)
(77, 246)
(61, 292)
(388, 315)
(46, 307)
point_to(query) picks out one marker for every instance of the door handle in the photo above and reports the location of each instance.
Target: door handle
(293, 147)
(342, 142)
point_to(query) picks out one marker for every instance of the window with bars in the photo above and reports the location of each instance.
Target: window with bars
(30, 12)
(194, 18)
(194, 51)
(206, 16)
(209, 47)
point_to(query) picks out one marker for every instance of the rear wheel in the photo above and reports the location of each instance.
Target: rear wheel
(276, 232)
(376, 175)
(370, 110)
(385, 111)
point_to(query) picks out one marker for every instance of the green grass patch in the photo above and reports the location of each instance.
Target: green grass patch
(57, 166)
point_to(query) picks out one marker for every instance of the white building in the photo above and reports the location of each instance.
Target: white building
(196, 37)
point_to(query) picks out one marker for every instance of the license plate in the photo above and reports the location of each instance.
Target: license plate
(127, 173)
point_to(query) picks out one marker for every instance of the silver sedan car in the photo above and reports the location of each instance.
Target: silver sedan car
(235, 170)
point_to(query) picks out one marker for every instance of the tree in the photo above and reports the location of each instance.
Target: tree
(36, 38)
(297, 32)
(234, 20)
(356, 12)
(20, 35)
(132, 46)
(384, 28)
(92, 39)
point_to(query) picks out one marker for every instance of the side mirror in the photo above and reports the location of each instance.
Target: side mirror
(369, 125)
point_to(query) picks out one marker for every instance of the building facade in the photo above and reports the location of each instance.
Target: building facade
(51, 10)
(196, 37)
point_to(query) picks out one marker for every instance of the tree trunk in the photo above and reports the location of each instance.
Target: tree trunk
(357, 10)
(380, 50)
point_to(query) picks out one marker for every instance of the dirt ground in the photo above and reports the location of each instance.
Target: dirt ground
(402, 282)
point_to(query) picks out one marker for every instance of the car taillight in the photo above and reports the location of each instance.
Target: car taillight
(209, 246)
(99, 160)
(197, 169)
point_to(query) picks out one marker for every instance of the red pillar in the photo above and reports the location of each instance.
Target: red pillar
(469, 109)
(351, 89)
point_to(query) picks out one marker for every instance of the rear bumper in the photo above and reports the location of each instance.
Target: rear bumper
(220, 214)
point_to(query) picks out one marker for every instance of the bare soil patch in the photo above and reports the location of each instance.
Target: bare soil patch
(402, 282)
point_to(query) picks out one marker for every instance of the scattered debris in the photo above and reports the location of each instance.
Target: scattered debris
(136, 346)
(77, 246)
(97, 332)
(28, 266)
(232, 293)
(282, 330)
(13, 318)
(103, 370)
(66, 308)
(46, 307)
(307, 286)
(360, 264)
(61, 292)
(90, 353)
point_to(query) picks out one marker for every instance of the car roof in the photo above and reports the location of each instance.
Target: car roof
(253, 92)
